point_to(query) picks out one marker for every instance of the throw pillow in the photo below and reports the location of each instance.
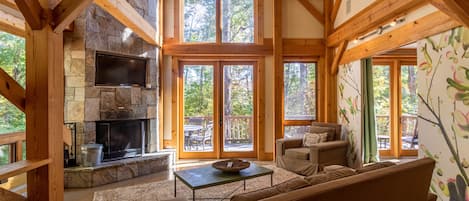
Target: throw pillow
(374, 166)
(330, 176)
(329, 130)
(309, 139)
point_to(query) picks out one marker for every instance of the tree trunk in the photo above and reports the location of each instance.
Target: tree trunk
(226, 29)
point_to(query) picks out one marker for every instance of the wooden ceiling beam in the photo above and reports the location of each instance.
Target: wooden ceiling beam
(12, 91)
(32, 12)
(12, 24)
(335, 10)
(457, 9)
(130, 18)
(372, 17)
(429, 25)
(67, 11)
(313, 10)
(9, 3)
(338, 56)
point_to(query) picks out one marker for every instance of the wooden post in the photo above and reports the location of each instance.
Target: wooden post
(330, 86)
(44, 111)
(278, 69)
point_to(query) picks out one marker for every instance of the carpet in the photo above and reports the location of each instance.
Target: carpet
(164, 190)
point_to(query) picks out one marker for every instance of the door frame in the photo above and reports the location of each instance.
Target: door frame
(259, 106)
(395, 64)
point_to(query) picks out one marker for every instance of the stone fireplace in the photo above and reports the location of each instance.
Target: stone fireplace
(89, 106)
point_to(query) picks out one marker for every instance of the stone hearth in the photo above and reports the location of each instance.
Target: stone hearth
(111, 172)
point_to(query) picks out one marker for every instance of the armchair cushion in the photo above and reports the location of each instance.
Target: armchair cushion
(298, 153)
(331, 132)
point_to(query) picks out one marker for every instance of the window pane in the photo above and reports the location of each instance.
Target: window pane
(382, 95)
(199, 21)
(238, 21)
(300, 91)
(238, 108)
(295, 132)
(198, 108)
(409, 107)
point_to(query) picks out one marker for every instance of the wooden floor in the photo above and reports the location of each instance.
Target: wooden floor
(87, 194)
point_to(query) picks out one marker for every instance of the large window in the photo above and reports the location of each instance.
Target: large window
(299, 89)
(234, 21)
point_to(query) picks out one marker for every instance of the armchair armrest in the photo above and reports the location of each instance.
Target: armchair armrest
(282, 144)
(329, 145)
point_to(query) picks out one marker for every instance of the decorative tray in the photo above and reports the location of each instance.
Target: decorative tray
(232, 165)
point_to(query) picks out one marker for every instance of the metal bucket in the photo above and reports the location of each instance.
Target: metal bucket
(91, 154)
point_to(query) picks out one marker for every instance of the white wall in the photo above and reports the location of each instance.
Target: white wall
(298, 22)
(355, 7)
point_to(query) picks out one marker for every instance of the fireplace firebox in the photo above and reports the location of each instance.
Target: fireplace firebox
(121, 139)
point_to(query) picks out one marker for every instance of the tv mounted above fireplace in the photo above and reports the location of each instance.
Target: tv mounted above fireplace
(120, 70)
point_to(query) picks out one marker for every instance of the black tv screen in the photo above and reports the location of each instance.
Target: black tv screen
(117, 70)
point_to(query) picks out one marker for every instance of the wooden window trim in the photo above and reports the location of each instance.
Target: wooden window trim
(395, 64)
(179, 24)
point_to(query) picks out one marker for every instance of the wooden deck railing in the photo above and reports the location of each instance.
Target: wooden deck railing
(237, 129)
(15, 143)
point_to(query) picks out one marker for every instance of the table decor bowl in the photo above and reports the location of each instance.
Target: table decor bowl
(231, 166)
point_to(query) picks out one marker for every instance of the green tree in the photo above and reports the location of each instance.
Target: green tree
(12, 61)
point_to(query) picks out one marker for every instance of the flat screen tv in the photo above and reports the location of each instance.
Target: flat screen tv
(119, 70)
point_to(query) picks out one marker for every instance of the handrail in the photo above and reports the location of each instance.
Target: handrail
(20, 167)
(12, 138)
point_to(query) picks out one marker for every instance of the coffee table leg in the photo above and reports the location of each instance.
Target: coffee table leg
(174, 186)
(193, 195)
(245, 184)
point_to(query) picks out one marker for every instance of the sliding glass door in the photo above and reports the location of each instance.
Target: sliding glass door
(217, 109)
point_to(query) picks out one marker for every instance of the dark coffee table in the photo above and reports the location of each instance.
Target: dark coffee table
(207, 176)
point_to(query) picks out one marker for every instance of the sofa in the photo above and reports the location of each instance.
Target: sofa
(403, 182)
(293, 156)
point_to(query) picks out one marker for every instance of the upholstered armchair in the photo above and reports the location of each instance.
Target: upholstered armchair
(293, 156)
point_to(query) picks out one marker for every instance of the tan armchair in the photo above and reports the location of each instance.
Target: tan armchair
(293, 156)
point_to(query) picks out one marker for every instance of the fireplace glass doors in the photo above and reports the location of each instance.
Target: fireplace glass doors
(121, 139)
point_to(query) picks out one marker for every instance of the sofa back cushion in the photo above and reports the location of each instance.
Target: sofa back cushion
(330, 176)
(335, 130)
(287, 186)
(403, 182)
(375, 166)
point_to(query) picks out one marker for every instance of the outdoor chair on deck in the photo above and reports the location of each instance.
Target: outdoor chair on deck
(204, 137)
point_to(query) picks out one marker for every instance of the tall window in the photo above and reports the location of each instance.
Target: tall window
(299, 90)
(235, 21)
